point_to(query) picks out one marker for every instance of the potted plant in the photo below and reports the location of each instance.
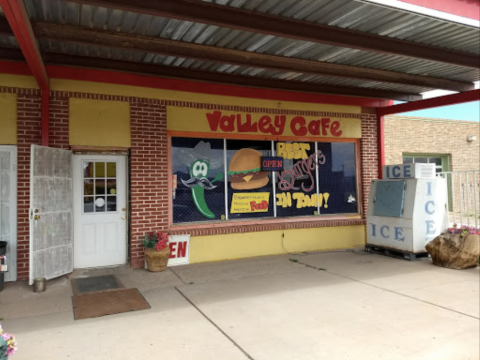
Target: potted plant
(8, 345)
(456, 248)
(157, 250)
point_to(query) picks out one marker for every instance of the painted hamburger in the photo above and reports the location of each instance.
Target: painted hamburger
(244, 170)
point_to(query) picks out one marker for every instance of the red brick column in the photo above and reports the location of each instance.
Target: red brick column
(148, 183)
(369, 155)
(58, 129)
(29, 132)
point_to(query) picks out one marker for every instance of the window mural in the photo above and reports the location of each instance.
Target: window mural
(198, 166)
(250, 189)
(296, 184)
(217, 179)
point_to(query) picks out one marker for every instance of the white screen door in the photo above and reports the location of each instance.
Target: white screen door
(51, 220)
(8, 207)
(100, 194)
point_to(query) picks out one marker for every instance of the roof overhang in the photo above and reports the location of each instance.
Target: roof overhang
(354, 48)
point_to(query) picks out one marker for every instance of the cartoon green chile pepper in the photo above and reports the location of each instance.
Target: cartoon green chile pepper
(200, 169)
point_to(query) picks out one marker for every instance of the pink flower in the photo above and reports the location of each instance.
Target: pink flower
(160, 245)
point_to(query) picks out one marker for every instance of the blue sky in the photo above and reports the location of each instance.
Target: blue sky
(467, 111)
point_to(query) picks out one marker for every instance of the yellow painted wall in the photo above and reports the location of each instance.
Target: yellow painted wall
(243, 245)
(8, 119)
(28, 82)
(99, 123)
(126, 90)
(18, 81)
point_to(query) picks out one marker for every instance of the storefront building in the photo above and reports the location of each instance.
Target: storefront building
(145, 159)
(116, 120)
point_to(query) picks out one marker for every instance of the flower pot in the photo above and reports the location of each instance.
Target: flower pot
(157, 259)
(454, 251)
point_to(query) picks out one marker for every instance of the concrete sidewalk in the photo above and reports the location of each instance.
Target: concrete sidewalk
(332, 305)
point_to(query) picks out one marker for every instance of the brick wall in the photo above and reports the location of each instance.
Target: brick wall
(369, 155)
(148, 163)
(29, 132)
(148, 174)
(58, 129)
(404, 134)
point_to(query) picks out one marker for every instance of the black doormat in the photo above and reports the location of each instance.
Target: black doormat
(96, 283)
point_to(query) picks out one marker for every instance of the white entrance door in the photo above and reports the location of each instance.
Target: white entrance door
(100, 210)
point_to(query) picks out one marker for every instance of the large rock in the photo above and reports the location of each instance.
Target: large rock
(452, 251)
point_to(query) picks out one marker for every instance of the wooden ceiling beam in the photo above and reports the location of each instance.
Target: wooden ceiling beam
(246, 20)
(210, 76)
(5, 29)
(11, 54)
(153, 45)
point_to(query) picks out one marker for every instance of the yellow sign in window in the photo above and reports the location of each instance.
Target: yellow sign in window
(250, 202)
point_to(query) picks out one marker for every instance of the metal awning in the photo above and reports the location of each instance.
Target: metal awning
(348, 47)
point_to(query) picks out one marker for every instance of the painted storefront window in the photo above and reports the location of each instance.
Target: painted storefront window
(296, 184)
(250, 190)
(337, 178)
(198, 166)
(217, 179)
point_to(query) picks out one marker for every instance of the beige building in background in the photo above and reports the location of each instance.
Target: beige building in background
(453, 145)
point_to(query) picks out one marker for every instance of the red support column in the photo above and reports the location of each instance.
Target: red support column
(17, 17)
(463, 97)
(381, 144)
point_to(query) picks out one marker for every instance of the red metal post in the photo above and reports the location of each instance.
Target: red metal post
(381, 144)
(45, 116)
(463, 97)
(466, 8)
(17, 17)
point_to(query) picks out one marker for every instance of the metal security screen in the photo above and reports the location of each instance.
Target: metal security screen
(51, 213)
(8, 207)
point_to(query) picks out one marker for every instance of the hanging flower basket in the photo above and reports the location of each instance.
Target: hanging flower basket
(157, 251)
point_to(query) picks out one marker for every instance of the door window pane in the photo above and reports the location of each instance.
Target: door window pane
(88, 169)
(99, 169)
(100, 203)
(111, 169)
(407, 160)
(112, 186)
(88, 187)
(423, 160)
(88, 204)
(111, 203)
(99, 187)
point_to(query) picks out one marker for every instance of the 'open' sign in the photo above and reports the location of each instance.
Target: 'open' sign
(179, 250)
(272, 163)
